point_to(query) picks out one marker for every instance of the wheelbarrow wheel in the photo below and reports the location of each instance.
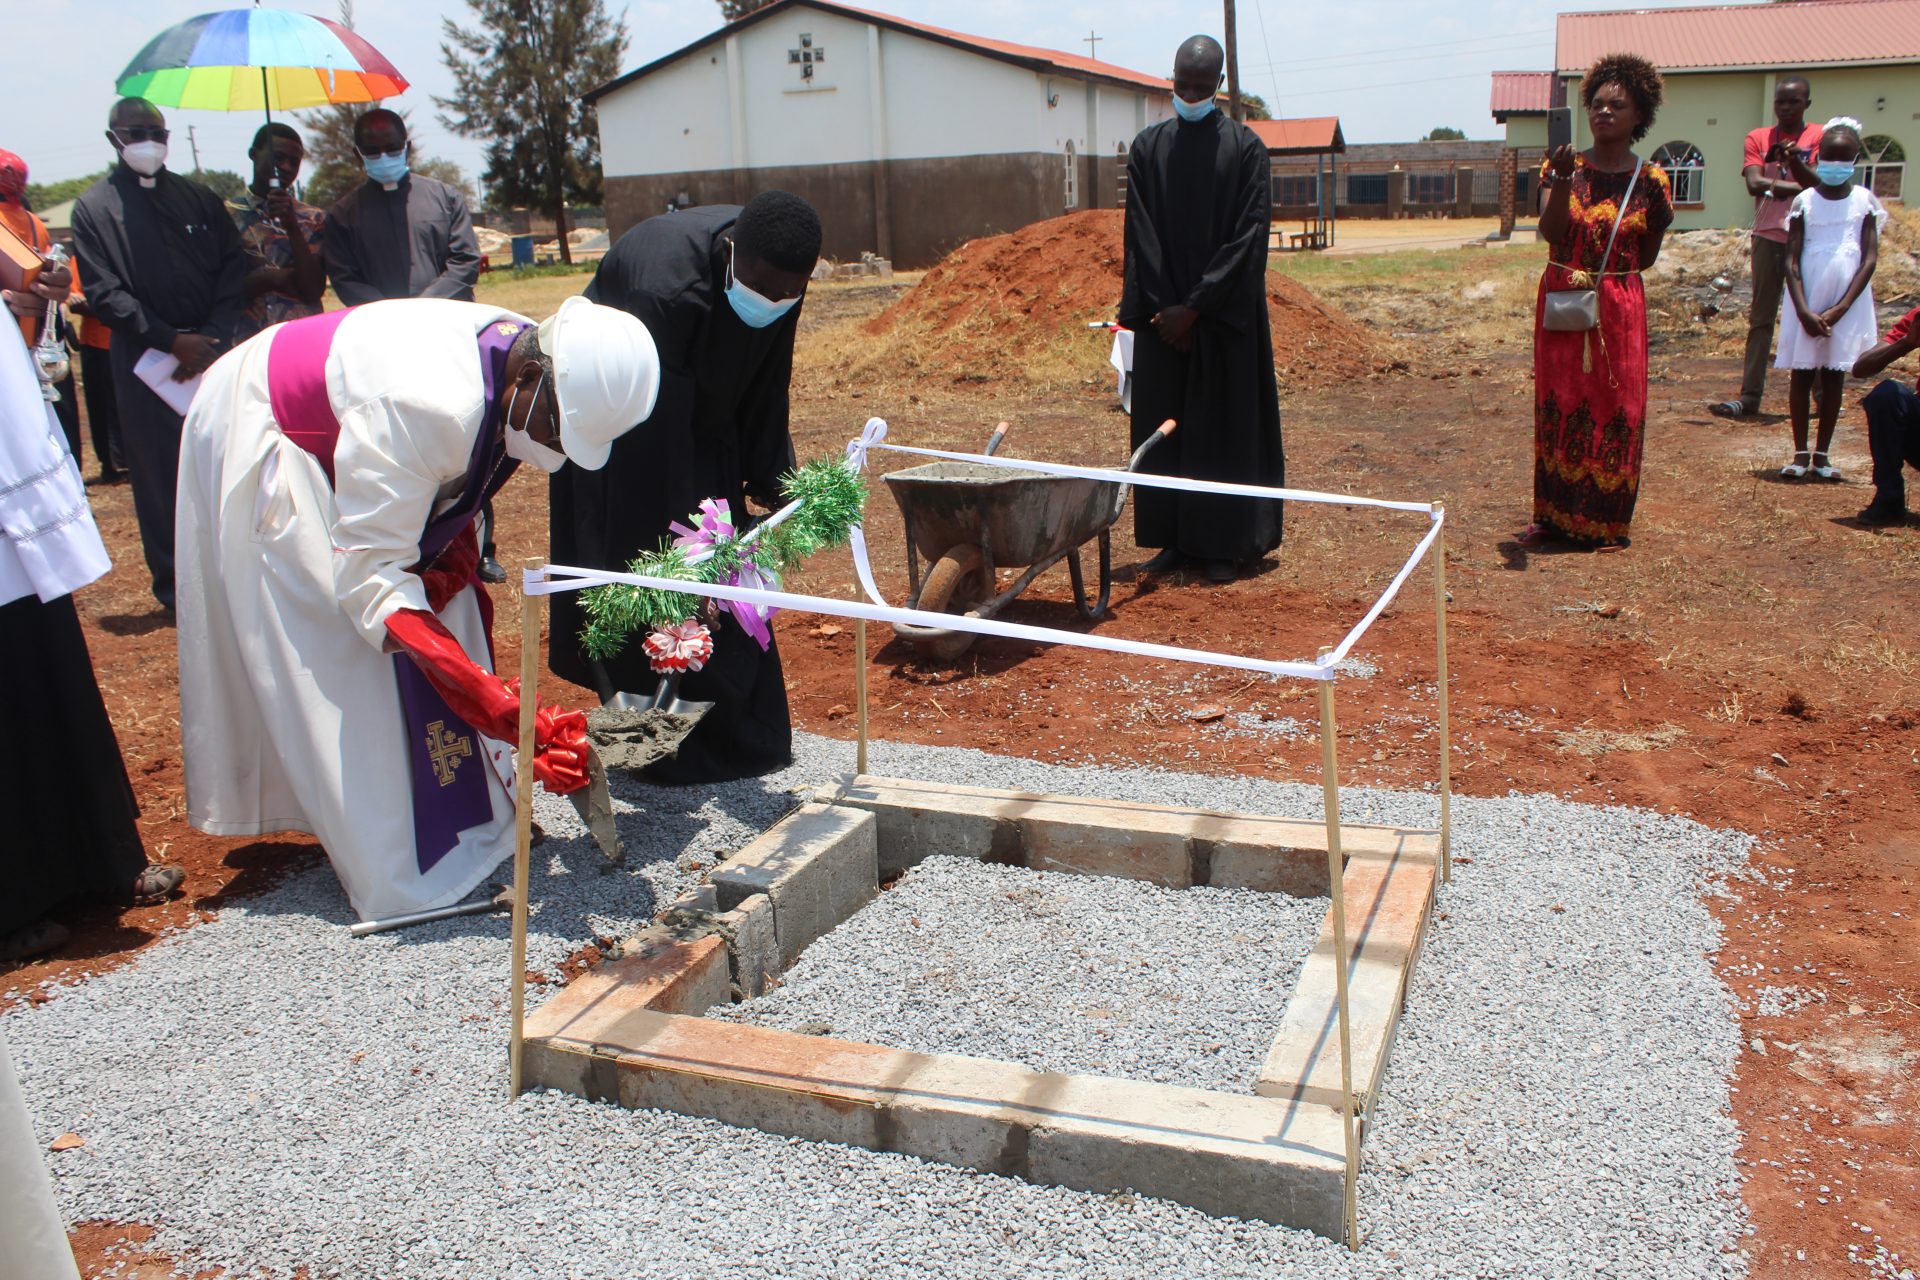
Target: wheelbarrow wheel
(956, 583)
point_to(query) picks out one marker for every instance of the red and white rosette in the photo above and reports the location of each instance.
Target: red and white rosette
(684, 646)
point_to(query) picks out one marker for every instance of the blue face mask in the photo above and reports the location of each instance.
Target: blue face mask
(1834, 173)
(386, 169)
(755, 310)
(1192, 112)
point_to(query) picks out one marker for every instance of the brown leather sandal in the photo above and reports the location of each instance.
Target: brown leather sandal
(156, 884)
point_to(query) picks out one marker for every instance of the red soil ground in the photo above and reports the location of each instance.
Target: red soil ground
(1748, 661)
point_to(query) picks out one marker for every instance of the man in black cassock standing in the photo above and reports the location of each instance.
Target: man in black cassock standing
(719, 288)
(1195, 295)
(165, 273)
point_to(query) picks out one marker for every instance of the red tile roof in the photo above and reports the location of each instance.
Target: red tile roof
(1300, 137)
(1026, 55)
(1521, 93)
(1064, 61)
(1811, 33)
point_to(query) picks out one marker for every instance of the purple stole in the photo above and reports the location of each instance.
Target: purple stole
(450, 792)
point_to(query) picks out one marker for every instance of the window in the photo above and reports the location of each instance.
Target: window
(1120, 149)
(1688, 170)
(1366, 188)
(1429, 188)
(1073, 180)
(1293, 190)
(1886, 162)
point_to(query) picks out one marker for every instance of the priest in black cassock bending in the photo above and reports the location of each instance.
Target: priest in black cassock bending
(1196, 298)
(719, 288)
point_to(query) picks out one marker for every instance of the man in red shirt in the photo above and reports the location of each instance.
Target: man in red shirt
(1773, 181)
(1893, 423)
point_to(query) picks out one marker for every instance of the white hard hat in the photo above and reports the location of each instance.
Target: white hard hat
(606, 375)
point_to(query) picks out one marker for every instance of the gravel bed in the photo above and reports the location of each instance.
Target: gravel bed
(277, 1095)
(1056, 972)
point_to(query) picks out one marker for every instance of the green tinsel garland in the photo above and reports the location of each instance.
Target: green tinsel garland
(832, 498)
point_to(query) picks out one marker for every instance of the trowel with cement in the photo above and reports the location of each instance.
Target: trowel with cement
(631, 731)
(594, 804)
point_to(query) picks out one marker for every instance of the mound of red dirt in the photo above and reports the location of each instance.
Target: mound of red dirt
(996, 294)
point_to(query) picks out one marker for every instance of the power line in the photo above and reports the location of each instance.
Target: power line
(1368, 60)
(1390, 84)
(1274, 86)
(1425, 45)
(1445, 44)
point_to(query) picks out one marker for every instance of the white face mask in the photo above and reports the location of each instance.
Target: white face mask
(524, 447)
(145, 158)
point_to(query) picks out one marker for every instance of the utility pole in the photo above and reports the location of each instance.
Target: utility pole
(1237, 109)
(194, 144)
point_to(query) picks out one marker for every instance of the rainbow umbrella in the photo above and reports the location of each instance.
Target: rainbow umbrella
(258, 59)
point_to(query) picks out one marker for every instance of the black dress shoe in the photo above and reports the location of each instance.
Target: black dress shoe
(490, 570)
(1222, 571)
(1878, 514)
(1166, 561)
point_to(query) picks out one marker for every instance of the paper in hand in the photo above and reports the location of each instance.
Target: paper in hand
(155, 368)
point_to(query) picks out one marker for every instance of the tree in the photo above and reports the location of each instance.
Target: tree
(734, 10)
(224, 183)
(45, 195)
(520, 80)
(1445, 134)
(1254, 107)
(332, 167)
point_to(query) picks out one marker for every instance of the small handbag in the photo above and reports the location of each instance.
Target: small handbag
(1578, 310)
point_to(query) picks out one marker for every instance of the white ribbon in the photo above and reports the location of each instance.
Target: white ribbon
(870, 437)
(875, 439)
(555, 578)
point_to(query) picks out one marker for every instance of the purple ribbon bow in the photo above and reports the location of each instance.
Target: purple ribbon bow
(714, 526)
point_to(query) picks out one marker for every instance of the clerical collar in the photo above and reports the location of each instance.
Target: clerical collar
(147, 182)
(389, 186)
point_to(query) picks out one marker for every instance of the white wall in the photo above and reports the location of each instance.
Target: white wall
(675, 120)
(942, 101)
(790, 123)
(938, 101)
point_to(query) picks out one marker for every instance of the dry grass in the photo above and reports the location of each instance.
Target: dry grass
(1591, 742)
(1864, 652)
(911, 349)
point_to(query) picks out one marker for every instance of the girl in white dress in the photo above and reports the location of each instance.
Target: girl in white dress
(1833, 244)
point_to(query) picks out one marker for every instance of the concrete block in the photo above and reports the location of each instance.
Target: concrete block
(818, 865)
(753, 947)
(1164, 844)
(673, 976)
(1257, 1158)
(703, 901)
(1387, 901)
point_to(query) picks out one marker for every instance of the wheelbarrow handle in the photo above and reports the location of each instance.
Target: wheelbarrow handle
(1160, 433)
(998, 438)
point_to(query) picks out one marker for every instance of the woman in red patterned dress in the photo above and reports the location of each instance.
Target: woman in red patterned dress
(1590, 386)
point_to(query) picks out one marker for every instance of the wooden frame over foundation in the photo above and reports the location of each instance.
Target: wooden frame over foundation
(630, 1032)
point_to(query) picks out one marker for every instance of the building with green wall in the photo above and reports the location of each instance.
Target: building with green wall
(1721, 64)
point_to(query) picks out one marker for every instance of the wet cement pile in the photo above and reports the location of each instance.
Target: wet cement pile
(635, 739)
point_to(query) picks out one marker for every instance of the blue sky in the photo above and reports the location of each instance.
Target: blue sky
(1390, 69)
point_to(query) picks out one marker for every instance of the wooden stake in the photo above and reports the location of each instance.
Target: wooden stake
(1446, 743)
(860, 692)
(1336, 874)
(530, 608)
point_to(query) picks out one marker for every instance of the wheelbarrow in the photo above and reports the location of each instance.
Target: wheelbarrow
(971, 520)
